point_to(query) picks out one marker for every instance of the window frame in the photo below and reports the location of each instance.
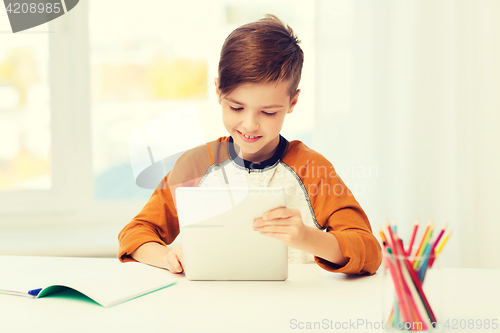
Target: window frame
(72, 194)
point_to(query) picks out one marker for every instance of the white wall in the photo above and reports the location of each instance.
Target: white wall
(423, 79)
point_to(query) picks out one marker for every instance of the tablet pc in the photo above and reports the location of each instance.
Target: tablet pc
(218, 240)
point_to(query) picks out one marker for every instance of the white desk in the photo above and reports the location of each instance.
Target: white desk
(309, 295)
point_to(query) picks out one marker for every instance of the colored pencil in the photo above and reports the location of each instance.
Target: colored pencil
(439, 236)
(394, 226)
(423, 244)
(394, 316)
(433, 250)
(423, 237)
(411, 303)
(440, 247)
(425, 262)
(399, 270)
(410, 289)
(405, 311)
(397, 316)
(382, 236)
(414, 233)
(418, 306)
(432, 257)
(398, 286)
(421, 293)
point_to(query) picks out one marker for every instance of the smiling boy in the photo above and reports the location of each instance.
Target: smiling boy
(259, 72)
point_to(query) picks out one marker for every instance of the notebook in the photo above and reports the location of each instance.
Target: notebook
(218, 240)
(106, 281)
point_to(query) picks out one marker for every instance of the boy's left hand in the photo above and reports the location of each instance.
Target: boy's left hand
(284, 224)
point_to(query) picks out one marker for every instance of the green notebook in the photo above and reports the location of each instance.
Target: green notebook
(116, 283)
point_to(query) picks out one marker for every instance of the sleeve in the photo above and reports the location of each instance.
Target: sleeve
(340, 214)
(157, 222)
(337, 211)
(357, 242)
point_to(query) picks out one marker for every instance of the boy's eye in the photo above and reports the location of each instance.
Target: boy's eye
(266, 113)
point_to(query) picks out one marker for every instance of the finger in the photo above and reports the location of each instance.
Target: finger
(179, 252)
(280, 213)
(174, 264)
(279, 229)
(276, 235)
(283, 222)
(180, 258)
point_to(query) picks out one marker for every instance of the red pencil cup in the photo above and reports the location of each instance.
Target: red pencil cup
(412, 291)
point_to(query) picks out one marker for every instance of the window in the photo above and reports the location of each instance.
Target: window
(25, 162)
(95, 77)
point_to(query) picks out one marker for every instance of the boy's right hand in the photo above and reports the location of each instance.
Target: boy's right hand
(175, 260)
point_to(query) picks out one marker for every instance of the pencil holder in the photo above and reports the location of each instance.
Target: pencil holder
(412, 291)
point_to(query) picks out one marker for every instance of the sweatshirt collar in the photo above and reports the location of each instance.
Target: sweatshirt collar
(280, 151)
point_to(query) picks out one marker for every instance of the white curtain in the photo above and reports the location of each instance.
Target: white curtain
(408, 111)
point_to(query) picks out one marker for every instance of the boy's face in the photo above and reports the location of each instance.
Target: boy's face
(256, 110)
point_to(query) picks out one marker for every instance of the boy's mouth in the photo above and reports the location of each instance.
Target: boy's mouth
(248, 138)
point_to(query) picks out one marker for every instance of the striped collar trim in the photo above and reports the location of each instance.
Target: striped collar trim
(280, 151)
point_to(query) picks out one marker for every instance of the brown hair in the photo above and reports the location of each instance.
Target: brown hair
(263, 51)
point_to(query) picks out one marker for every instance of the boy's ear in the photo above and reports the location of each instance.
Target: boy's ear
(294, 101)
(217, 89)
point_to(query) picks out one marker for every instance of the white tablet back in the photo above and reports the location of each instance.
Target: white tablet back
(218, 240)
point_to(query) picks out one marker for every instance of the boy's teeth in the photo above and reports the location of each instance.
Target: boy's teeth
(248, 137)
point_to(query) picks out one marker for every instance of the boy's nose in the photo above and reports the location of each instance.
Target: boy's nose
(250, 124)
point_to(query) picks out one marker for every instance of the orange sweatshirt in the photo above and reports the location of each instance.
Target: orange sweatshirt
(311, 184)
